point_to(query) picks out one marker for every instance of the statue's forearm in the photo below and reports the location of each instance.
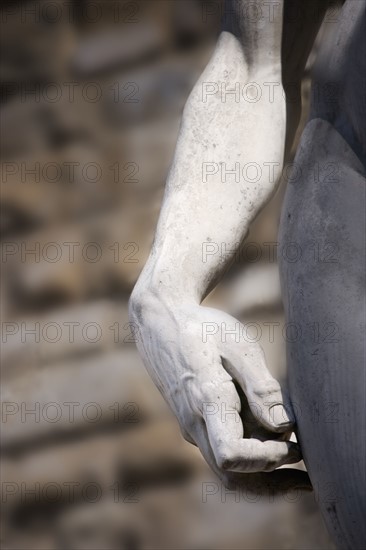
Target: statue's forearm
(227, 162)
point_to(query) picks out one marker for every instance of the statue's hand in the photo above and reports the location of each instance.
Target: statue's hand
(200, 368)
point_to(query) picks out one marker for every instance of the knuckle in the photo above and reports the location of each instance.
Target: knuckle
(224, 463)
(267, 388)
(225, 457)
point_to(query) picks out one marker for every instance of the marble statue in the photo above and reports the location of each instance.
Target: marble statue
(233, 141)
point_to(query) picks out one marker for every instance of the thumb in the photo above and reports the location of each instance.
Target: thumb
(268, 403)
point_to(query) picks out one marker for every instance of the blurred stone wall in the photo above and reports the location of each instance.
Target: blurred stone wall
(91, 99)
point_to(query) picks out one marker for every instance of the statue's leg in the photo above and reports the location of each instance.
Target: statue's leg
(322, 262)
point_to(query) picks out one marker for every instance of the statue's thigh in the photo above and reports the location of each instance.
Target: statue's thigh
(322, 263)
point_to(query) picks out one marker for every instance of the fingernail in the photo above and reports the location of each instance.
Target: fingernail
(278, 415)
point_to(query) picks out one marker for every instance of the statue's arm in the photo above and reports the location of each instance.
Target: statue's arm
(227, 162)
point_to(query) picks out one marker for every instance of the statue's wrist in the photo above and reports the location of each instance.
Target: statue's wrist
(158, 294)
(169, 281)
